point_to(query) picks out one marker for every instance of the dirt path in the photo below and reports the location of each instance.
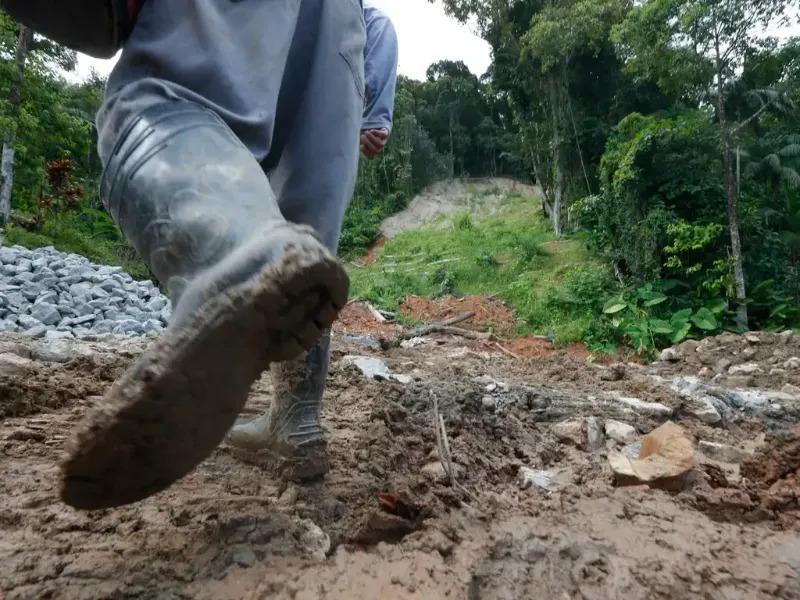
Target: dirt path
(386, 523)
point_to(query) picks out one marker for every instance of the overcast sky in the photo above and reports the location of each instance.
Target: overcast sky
(426, 36)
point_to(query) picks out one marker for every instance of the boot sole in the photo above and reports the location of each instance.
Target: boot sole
(175, 405)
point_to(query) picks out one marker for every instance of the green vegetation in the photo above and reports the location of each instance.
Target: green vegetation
(556, 286)
(665, 135)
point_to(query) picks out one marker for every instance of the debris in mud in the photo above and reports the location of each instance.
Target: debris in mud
(666, 457)
(622, 433)
(549, 481)
(723, 452)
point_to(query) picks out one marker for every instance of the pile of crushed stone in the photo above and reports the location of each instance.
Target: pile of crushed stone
(47, 293)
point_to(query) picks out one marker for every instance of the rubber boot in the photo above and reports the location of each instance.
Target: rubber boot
(291, 428)
(249, 289)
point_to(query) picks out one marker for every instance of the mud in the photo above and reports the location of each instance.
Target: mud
(386, 522)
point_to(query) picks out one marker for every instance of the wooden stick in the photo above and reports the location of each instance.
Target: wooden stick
(442, 444)
(507, 351)
(436, 327)
(374, 312)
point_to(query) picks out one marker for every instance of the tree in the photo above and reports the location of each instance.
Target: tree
(699, 46)
(24, 42)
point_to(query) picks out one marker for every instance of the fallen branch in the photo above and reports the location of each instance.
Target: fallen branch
(374, 312)
(435, 328)
(466, 333)
(505, 350)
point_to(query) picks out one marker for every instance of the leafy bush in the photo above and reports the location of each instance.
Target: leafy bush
(648, 320)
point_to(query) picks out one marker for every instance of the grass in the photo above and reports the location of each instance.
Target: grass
(556, 286)
(86, 231)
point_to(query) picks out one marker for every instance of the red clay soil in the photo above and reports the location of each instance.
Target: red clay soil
(372, 254)
(357, 319)
(490, 313)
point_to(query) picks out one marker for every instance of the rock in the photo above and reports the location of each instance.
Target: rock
(12, 365)
(6, 325)
(666, 458)
(28, 322)
(739, 381)
(55, 351)
(792, 364)
(243, 556)
(669, 355)
(489, 403)
(46, 313)
(651, 409)
(316, 542)
(620, 432)
(595, 438)
(572, 432)
(413, 343)
(745, 369)
(47, 297)
(752, 338)
(36, 332)
(722, 452)
(371, 368)
(157, 304)
(791, 390)
(549, 481)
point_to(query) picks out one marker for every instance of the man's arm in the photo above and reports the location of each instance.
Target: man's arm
(380, 65)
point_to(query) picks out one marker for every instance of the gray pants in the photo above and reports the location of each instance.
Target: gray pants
(287, 76)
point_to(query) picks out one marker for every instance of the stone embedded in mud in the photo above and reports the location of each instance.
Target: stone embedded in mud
(791, 390)
(666, 457)
(722, 452)
(315, 542)
(792, 364)
(669, 355)
(12, 365)
(549, 481)
(620, 432)
(243, 556)
(595, 437)
(572, 432)
(746, 369)
(640, 407)
(371, 368)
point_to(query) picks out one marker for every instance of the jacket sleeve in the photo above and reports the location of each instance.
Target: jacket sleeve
(380, 67)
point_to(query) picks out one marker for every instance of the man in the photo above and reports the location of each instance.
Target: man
(230, 134)
(292, 423)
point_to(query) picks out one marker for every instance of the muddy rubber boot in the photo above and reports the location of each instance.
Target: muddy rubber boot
(291, 428)
(249, 289)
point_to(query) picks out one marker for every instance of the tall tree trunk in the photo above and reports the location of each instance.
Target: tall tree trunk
(558, 151)
(24, 41)
(733, 200)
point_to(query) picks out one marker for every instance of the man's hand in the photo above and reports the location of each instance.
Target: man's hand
(373, 141)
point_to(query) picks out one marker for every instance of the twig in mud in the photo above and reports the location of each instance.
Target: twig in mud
(442, 443)
(355, 300)
(505, 350)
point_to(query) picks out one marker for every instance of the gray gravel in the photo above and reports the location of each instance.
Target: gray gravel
(47, 293)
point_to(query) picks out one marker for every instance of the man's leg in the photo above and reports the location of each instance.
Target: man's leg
(313, 169)
(250, 287)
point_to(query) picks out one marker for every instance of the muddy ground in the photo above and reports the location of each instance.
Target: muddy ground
(387, 522)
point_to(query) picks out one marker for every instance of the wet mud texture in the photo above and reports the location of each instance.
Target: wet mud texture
(386, 521)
